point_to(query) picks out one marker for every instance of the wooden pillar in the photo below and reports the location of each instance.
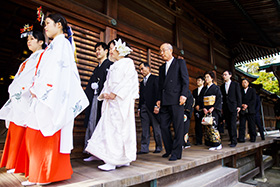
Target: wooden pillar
(112, 11)
(178, 33)
(149, 56)
(259, 161)
(112, 8)
(211, 52)
(110, 34)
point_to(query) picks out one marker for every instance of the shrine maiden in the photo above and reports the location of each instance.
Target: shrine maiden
(57, 99)
(16, 108)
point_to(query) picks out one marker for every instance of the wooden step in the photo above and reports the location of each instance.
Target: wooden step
(221, 176)
(240, 184)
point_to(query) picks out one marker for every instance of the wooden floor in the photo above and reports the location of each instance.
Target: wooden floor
(145, 168)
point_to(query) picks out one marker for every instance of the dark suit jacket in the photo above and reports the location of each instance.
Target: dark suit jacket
(174, 84)
(249, 99)
(198, 99)
(148, 93)
(99, 74)
(232, 100)
(188, 107)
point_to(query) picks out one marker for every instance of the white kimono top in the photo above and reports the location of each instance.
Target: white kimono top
(59, 94)
(16, 108)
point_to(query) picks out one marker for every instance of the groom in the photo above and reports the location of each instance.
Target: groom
(172, 94)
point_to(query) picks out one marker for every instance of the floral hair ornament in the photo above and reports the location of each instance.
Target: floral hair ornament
(40, 15)
(26, 30)
(122, 48)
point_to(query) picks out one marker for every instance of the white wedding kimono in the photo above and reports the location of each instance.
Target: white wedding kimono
(59, 94)
(16, 108)
(114, 139)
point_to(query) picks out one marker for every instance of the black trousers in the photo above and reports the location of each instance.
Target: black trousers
(198, 127)
(259, 125)
(148, 119)
(230, 118)
(172, 114)
(251, 126)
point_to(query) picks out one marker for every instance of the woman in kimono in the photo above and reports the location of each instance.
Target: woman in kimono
(16, 108)
(114, 139)
(212, 105)
(57, 99)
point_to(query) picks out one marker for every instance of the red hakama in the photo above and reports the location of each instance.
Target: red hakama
(46, 163)
(14, 153)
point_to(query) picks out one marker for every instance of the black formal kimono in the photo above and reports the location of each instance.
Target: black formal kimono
(93, 111)
(248, 98)
(212, 135)
(198, 114)
(147, 102)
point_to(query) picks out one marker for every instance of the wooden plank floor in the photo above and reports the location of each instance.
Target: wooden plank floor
(146, 168)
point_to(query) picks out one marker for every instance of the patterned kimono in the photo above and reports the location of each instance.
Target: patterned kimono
(212, 97)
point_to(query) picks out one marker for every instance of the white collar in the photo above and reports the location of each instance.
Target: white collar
(147, 76)
(169, 61)
(209, 85)
(228, 82)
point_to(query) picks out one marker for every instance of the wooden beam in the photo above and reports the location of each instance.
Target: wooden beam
(252, 22)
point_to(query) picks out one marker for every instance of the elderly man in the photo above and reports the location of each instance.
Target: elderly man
(172, 94)
(147, 110)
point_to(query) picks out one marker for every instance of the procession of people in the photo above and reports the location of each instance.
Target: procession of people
(46, 95)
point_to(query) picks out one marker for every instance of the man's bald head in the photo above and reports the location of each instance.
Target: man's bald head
(166, 51)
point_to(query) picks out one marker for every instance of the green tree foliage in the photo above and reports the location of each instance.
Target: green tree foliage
(268, 80)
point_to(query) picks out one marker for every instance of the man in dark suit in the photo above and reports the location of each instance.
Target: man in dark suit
(188, 110)
(247, 112)
(148, 110)
(198, 113)
(93, 89)
(231, 105)
(172, 94)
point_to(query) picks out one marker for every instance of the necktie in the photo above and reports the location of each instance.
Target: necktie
(145, 81)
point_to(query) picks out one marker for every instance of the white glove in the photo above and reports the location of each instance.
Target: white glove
(94, 86)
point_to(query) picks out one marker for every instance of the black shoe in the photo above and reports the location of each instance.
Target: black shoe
(157, 151)
(232, 145)
(241, 141)
(173, 158)
(165, 155)
(141, 153)
(252, 141)
(263, 138)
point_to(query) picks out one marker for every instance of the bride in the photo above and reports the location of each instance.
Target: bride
(114, 139)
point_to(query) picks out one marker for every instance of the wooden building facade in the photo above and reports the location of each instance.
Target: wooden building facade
(144, 24)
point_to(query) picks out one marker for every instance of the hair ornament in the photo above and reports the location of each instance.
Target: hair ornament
(72, 42)
(26, 30)
(122, 48)
(40, 15)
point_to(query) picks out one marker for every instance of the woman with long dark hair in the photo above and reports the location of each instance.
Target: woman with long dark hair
(57, 98)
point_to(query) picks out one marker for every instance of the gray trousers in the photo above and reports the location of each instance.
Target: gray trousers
(92, 120)
(147, 119)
